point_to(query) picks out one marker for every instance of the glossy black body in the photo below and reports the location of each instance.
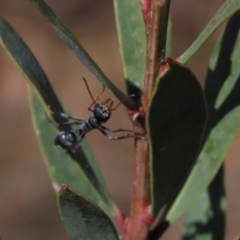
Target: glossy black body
(70, 140)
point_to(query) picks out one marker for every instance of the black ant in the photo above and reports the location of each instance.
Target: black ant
(71, 140)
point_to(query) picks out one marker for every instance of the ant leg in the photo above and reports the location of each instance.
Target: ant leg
(117, 130)
(77, 145)
(115, 138)
(63, 115)
(64, 123)
(111, 108)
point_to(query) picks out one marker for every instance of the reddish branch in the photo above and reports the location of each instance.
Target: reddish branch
(138, 223)
(155, 14)
(156, 29)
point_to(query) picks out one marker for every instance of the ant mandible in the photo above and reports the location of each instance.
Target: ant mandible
(71, 140)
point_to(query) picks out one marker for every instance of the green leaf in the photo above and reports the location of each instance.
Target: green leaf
(228, 8)
(220, 100)
(223, 77)
(176, 121)
(209, 161)
(60, 165)
(234, 74)
(82, 173)
(222, 125)
(221, 97)
(207, 213)
(132, 38)
(83, 220)
(66, 35)
(169, 38)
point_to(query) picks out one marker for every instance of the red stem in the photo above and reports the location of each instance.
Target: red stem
(137, 227)
(156, 28)
(155, 13)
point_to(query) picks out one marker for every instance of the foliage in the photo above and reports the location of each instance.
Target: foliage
(184, 131)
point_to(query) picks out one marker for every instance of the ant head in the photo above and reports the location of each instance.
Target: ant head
(101, 112)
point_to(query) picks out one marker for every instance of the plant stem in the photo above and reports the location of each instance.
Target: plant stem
(156, 28)
(155, 13)
(137, 228)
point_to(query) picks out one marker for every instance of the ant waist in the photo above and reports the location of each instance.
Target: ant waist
(89, 124)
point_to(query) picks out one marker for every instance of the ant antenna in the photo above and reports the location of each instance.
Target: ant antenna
(85, 81)
(97, 98)
(124, 99)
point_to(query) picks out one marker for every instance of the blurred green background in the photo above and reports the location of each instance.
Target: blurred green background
(28, 207)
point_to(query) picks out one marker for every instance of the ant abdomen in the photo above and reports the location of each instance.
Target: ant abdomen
(65, 140)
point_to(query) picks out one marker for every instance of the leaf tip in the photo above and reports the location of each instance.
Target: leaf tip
(63, 188)
(56, 187)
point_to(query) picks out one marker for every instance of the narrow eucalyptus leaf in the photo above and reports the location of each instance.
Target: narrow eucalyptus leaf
(221, 127)
(228, 8)
(176, 121)
(83, 220)
(208, 164)
(132, 39)
(207, 213)
(222, 81)
(83, 170)
(67, 36)
(233, 42)
(60, 165)
(169, 38)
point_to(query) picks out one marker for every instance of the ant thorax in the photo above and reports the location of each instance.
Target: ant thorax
(101, 112)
